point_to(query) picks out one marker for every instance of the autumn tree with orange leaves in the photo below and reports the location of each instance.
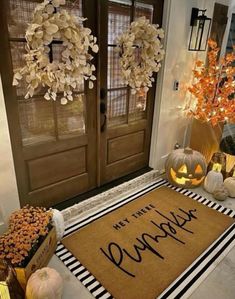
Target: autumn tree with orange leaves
(214, 87)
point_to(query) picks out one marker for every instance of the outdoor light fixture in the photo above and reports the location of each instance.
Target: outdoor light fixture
(200, 28)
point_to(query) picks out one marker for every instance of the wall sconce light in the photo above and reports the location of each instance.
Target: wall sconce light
(200, 28)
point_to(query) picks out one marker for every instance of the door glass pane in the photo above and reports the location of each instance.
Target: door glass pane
(17, 52)
(71, 118)
(119, 17)
(41, 120)
(143, 9)
(20, 14)
(36, 121)
(137, 107)
(114, 72)
(117, 102)
(74, 7)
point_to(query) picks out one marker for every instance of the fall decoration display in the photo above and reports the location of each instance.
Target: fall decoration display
(140, 51)
(27, 229)
(230, 185)
(185, 168)
(213, 89)
(58, 223)
(50, 23)
(40, 258)
(218, 163)
(213, 181)
(44, 283)
(232, 172)
(227, 144)
(8, 283)
(221, 193)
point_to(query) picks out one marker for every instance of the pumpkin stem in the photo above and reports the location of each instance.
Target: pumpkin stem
(188, 151)
(43, 275)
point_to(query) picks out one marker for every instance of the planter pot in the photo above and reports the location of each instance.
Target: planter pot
(205, 138)
(39, 259)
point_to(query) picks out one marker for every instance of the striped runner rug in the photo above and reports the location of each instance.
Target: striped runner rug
(187, 281)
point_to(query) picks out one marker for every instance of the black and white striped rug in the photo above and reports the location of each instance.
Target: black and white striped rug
(183, 286)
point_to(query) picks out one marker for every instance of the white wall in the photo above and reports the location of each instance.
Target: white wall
(170, 124)
(9, 200)
(226, 34)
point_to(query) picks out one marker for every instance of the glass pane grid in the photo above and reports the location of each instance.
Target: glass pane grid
(117, 102)
(118, 20)
(17, 53)
(137, 107)
(71, 118)
(20, 14)
(36, 121)
(114, 71)
(74, 7)
(41, 120)
(144, 10)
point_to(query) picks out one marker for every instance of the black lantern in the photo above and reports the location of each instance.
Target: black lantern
(200, 29)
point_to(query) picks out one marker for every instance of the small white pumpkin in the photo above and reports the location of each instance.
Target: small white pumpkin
(230, 185)
(213, 181)
(44, 283)
(58, 222)
(221, 193)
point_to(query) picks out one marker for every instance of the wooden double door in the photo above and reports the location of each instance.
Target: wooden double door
(61, 151)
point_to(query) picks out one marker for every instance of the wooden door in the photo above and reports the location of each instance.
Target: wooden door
(126, 123)
(54, 146)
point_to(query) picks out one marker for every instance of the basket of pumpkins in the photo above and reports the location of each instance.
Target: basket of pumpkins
(30, 241)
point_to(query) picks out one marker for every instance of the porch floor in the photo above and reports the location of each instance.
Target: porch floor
(219, 284)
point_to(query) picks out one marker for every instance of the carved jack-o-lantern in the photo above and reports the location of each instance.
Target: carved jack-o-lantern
(185, 168)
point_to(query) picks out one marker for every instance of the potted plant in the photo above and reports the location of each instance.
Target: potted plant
(30, 231)
(213, 101)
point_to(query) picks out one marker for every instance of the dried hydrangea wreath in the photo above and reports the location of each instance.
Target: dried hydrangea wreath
(140, 52)
(52, 23)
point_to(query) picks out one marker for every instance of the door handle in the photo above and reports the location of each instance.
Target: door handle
(103, 111)
(103, 108)
(102, 129)
(103, 93)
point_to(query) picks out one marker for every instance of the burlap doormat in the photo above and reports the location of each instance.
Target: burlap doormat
(139, 249)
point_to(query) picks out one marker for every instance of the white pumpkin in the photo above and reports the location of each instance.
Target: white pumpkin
(213, 181)
(221, 193)
(45, 283)
(58, 222)
(230, 185)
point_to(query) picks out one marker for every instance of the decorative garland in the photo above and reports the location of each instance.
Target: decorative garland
(51, 23)
(140, 52)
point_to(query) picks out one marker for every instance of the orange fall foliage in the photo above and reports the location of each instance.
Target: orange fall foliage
(214, 88)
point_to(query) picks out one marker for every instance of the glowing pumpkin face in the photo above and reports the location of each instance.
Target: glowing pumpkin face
(185, 168)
